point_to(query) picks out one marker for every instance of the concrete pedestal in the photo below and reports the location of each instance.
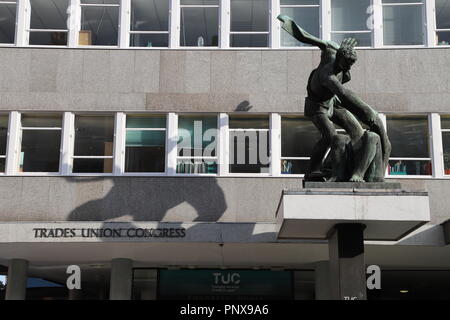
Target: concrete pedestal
(17, 280)
(347, 266)
(121, 279)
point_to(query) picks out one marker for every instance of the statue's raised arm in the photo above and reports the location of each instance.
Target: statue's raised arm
(301, 35)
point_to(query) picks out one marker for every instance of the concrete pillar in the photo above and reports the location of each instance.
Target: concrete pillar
(347, 267)
(322, 280)
(16, 284)
(121, 279)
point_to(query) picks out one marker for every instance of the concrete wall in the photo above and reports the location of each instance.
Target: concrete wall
(174, 199)
(403, 80)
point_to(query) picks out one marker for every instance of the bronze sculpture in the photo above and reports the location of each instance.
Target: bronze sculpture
(362, 155)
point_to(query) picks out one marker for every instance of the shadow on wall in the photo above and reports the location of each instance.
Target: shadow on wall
(150, 198)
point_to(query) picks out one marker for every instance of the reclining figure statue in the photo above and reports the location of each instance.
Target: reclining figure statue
(360, 155)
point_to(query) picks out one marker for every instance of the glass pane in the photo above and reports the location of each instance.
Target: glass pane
(409, 167)
(350, 15)
(364, 39)
(3, 134)
(298, 137)
(2, 164)
(150, 15)
(443, 14)
(94, 135)
(40, 151)
(446, 147)
(197, 136)
(46, 121)
(309, 19)
(248, 122)
(92, 165)
(199, 27)
(402, 25)
(144, 284)
(200, 2)
(146, 121)
(401, 1)
(299, 2)
(7, 23)
(408, 136)
(249, 152)
(49, 14)
(249, 15)
(145, 151)
(48, 38)
(445, 122)
(249, 40)
(196, 166)
(101, 1)
(99, 26)
(149, 40)
(294, 166)
(443, 38)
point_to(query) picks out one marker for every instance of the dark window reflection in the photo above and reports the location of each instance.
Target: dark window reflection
(199, 27)
(92, 165)
(298, 137)
(409, 136)
(3, 134)
(149, 15)
(309, 18)
(40, 150)
(249, 152)
(48, 38)
(249, 15)
(410, 167)
(7, 23)
(99, 26)
(94, 135)
(49, 14)
(446, 147)
(149, 40)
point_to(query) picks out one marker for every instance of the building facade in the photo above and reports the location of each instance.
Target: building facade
(101, 107)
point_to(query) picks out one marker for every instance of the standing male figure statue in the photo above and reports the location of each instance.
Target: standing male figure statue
(329, 102)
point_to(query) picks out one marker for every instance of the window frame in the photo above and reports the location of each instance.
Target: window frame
(219, 9)
(19, 146)
(8, 3)
(446, 175)
(72, 155)
(120, 27)
(430, 149)
(436, 29)
(29, 30)
(425, 23)
(122, 148)
(217, 148)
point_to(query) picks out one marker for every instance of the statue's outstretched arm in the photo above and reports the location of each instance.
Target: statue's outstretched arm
(301, 35)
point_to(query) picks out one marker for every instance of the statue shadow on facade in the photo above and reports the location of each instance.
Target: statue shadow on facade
(360, 154)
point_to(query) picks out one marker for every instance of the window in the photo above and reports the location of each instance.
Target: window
(442, 22)
(249, 23)
(7, 21)
(149, 23)
(403, 22)
(48, 24)
(3, 140)
(99, 22)
(94, 137)
(351, 18)
(298, 137)
(199, 23)
(197, 143)
(304, 12)
(409, 137)
(249, 144)
(41, 143)
(145, 144)
(445, 126)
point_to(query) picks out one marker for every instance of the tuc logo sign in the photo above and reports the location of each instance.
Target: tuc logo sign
(227, 278)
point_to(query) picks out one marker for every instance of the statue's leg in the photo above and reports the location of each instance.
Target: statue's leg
(376, 170)
(365, 155)
(339, 158)
(370, 117)
(327, 131)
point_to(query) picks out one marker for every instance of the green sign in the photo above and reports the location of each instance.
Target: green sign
(223, 284)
